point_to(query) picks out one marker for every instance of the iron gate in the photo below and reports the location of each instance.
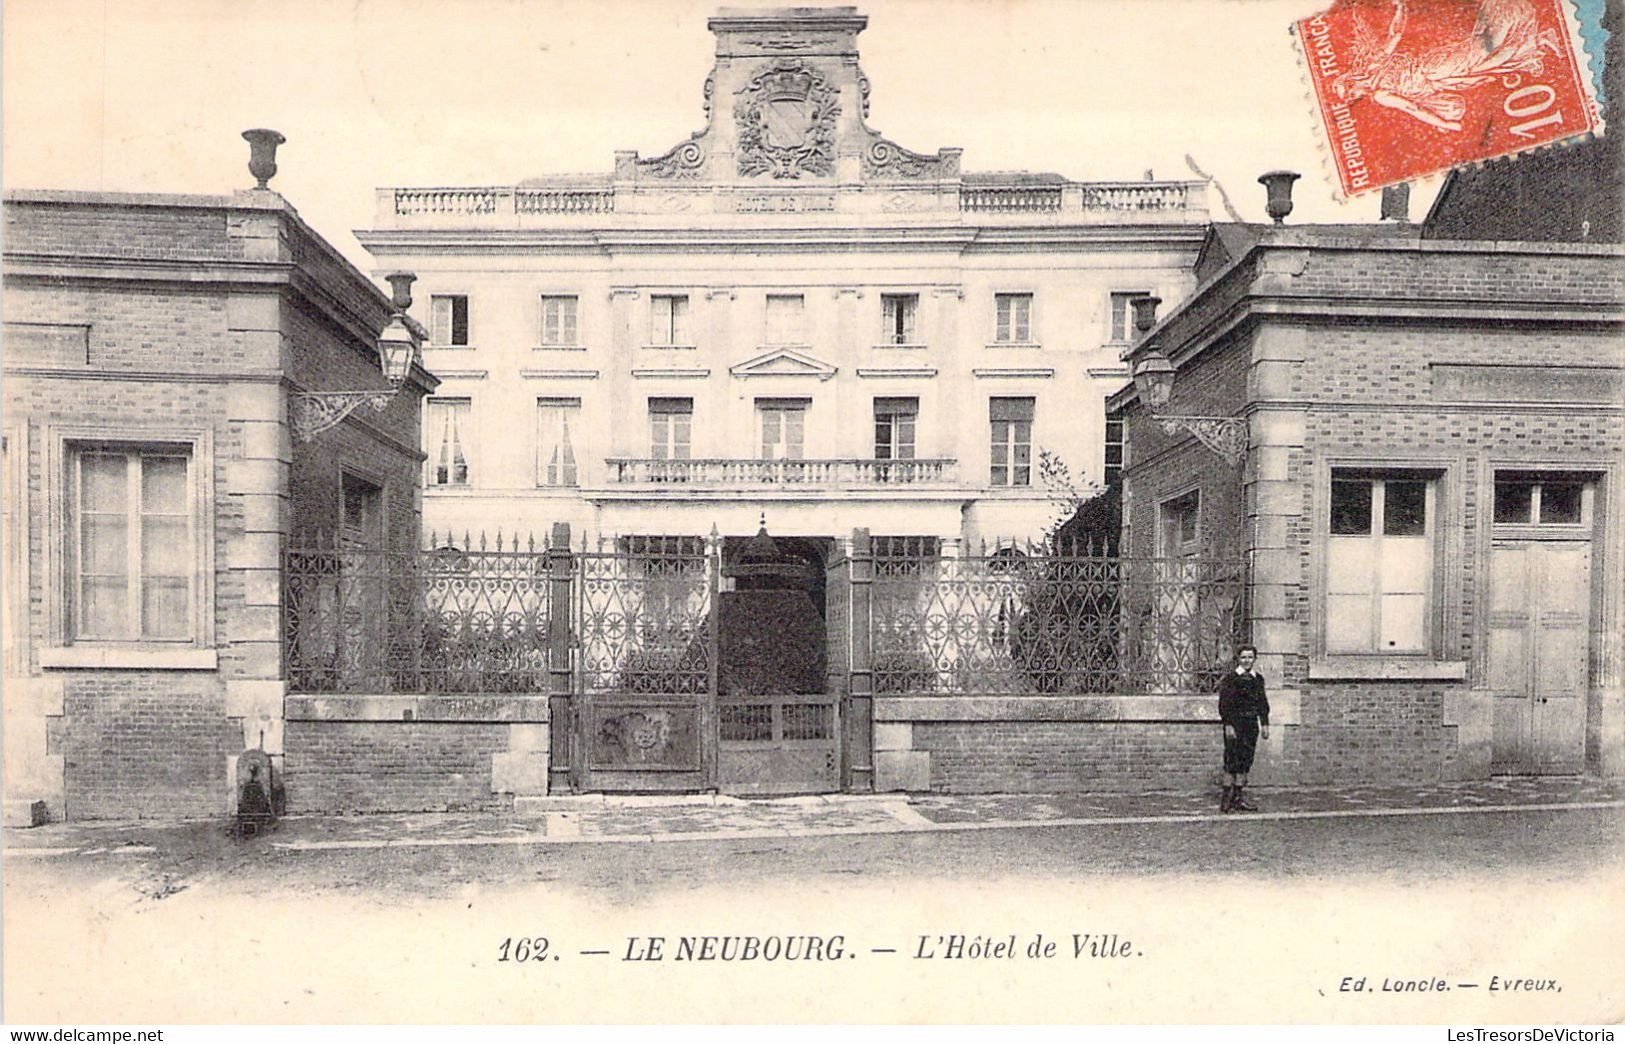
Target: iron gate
(645, 639)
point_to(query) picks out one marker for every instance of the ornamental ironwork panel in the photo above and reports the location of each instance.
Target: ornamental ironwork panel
(643, 618)
(838, 624)
(1037, 620)
(456, 617)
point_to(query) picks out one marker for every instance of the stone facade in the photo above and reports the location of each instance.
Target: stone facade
(1419, 615)
(154, 348)
(791, 235)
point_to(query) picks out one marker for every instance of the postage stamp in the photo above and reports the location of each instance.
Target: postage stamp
(1408, 88)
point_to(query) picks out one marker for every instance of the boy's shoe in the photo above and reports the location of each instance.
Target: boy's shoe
(1239, 804)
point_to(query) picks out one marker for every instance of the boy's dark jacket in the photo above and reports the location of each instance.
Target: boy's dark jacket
(1242, 696)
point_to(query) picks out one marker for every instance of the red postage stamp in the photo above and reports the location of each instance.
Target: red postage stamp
(1407, 88)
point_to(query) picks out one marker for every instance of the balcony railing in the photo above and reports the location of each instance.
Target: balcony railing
(1009, 200)
(741, 472)
(564, 201)
(413, 202)
(1134, 195)
(574, 201)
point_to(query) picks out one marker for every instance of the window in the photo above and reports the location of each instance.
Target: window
(784, 319)
(362, 512)
(132, 538)
(448, 321)
(558, 322)
(1122, 314)
(897, 313)
(556, 422)
(894, 428)
(670, 428)
(1012, 429)
(1178, 534)
(784, 428)
(1379, 563)
(668, 320)
(1532, 499)
(445, 426)
(1114, 448)
(1013, 315)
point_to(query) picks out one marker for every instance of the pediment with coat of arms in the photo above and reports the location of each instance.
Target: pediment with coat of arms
(785, 117)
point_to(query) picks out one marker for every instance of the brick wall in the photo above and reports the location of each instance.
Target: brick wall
(1330, 390)
(1370, 733)
(179, 354)
(143, 746)
(391, 766)
(1067, 757)
(118, 230)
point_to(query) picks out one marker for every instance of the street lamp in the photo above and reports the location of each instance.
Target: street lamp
(1154, 384)
(315, 412)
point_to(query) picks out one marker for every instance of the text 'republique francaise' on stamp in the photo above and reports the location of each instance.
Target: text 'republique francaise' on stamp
(1408, 88)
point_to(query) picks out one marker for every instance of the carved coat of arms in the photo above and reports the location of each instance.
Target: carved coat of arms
(786, 116)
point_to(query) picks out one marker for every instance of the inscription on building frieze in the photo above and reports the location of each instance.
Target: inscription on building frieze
(1462, 382)
(784, 202)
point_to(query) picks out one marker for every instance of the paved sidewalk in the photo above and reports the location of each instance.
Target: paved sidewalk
(598, 819)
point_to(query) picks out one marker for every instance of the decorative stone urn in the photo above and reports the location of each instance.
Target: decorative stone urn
(1278, 183)
(262, 144)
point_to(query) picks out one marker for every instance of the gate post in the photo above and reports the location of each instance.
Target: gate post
(561, 729)
(710, 717)
(860, 704)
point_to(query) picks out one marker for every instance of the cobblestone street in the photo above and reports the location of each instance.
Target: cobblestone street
(411, 913)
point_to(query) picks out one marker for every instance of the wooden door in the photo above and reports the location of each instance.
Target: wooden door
(1539, 654)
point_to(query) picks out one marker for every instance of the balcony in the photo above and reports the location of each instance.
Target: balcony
(743, 473)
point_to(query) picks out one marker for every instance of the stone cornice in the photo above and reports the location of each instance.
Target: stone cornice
(359, 314)
(813, 239)
(1233, 296)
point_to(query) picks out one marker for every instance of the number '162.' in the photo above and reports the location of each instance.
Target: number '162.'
(525, 948)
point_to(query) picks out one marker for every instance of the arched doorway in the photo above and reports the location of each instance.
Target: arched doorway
(777, 729)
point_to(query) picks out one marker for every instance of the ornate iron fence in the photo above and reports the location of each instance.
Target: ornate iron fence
(455, 617)
(643, 615)
(1041, 620)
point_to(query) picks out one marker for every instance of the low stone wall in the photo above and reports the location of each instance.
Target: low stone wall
(414, 753)
(1061, 744)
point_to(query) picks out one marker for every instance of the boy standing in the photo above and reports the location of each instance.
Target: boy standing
(1245, 712)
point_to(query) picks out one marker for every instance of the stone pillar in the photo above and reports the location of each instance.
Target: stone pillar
(851, 432)
(35, 784)
(720, 433)
(954, 429)
(560, 716)
(622, 430)
(859, 717)
(257, 483)
(1273, 496)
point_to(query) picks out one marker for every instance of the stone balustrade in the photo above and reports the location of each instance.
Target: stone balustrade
(749, 472)
(1001, 200)
(564, 201)
(579, 202)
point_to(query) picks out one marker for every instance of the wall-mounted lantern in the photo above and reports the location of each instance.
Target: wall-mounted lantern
(315, 412)
(1154, 384)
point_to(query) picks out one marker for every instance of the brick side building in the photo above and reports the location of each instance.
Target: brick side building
(1427, 490)
(158, 350)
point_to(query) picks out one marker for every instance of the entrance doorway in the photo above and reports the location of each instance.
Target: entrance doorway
(778, 730)
(1539, 623)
